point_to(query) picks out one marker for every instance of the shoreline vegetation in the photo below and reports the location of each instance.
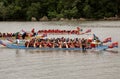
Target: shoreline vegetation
(45, 18)
(59, 10)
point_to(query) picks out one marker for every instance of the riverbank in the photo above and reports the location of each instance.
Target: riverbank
(45, 18)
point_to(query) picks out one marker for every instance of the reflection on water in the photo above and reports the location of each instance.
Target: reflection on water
(65, 52)
(112, 51)
(44, 64)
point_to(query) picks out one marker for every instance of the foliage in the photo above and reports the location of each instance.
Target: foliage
(33, 10)
(26, 9)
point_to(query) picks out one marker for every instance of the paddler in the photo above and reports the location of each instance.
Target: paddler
(17, 36)
(33, 32)
(83, 41)
(24, 35)
(78, 30)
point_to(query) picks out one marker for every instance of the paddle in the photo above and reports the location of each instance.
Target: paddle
(2, 43)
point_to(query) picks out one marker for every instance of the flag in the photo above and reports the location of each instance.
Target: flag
(109, 39)
(110, 46)
(115, 44)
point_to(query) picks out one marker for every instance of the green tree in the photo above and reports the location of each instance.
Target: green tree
(33, 10)
(25, 9)
(87, 11)
(3, 11)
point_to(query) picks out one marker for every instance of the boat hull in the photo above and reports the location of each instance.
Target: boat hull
(12, 46)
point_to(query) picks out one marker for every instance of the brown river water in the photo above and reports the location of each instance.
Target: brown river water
(39, 64)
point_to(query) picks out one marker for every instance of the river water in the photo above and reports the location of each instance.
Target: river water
(37, 64)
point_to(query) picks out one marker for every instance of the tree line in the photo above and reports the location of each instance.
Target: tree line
(24, 10)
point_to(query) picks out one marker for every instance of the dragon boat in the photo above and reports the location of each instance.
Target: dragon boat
(22, 33)
(63, 44)
(98, 48)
